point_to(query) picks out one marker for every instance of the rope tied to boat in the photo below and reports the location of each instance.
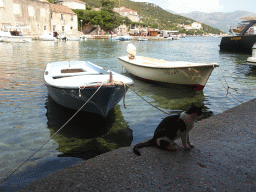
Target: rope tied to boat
(147, 101)
(109, 82)
(227, 87)
(52, 135)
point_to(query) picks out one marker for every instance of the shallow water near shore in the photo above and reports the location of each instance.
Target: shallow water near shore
(29, 117)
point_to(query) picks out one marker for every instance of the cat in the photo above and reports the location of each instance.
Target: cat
(171, 128)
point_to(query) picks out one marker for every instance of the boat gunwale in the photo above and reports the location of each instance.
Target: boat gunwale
(105, 72)
(171, 67)
(76, 75)
(228, 36)
(84, 86)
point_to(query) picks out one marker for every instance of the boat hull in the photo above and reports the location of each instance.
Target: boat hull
(8, 36)
(19, 39)
(142, 39)
(101, 103)
(238, 44)
(72, 83)
(193, 77)
(125, 38)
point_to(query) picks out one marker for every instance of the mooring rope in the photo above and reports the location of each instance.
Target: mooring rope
(147, 101)
(124, 94)
(228, 87)
(52, 135)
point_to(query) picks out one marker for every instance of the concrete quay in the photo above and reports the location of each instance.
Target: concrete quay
(224, 159)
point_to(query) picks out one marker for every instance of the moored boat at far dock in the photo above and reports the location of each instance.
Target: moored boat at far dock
(242, 39)
(125, 38)
(14, 34)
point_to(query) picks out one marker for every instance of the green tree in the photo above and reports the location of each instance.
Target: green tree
(96, 18)
(116, 19)
(88, 8)
(107, 19)
(107, 5)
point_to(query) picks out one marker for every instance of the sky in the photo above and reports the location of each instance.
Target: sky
(208, 6)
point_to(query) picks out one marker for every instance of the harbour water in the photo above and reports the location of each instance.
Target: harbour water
(29, 117)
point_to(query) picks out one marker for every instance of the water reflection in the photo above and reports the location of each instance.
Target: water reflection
(170, 97)
(242, 73)
(88, 134)
(251, 71)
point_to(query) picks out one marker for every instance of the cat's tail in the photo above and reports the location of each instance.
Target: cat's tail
(140, 145)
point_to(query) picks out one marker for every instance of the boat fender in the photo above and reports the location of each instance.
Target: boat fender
(252, 59)
(110, 77)
(131, 49)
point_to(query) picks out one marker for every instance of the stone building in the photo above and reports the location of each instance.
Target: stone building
(125, 12)
(33, 16)
(63, 19)
(36, 17)
(72, 4)
(132, 15)
(196, 25)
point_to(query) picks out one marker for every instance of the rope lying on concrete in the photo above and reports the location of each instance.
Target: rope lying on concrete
(52, 135)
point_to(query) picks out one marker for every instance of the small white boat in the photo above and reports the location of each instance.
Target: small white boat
(72, 83)
(62, 36)
(175, 37)
(83, 38)
(193, 75)
(114, 38)
(72, 38)
(168, 38)
(125, 38)
(48, 37)
(142, 39)
(14, 36)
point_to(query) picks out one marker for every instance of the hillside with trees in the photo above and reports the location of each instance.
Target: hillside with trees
(156, 17)
(151, 16)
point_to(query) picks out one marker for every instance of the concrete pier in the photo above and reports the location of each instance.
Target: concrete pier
(224, 159)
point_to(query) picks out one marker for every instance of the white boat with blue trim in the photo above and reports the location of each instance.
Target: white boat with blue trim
(125, 38)
(72, 83)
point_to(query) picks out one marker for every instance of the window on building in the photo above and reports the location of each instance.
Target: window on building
(63, 28)
(71, 17)
(31, 11)
(54, 27)
(16, 9)
(42, 12)
(71, 28)
(61, 16)
(51, 15)
(45, 27)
